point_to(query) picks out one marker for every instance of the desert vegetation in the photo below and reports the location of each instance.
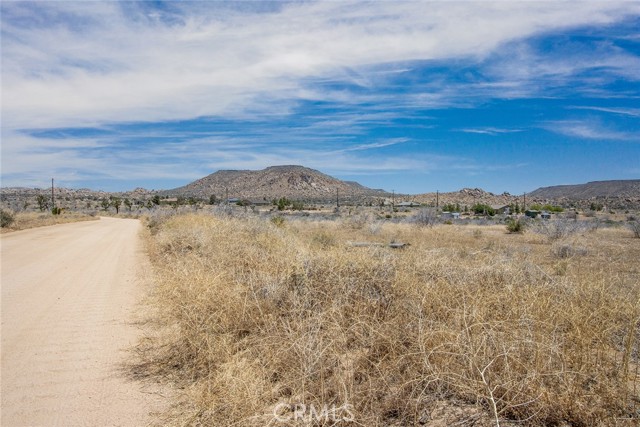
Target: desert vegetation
(282, 322)
(22, 220)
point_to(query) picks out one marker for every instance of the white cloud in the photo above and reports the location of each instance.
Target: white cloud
(87, 63)
(587, 129)
(490, 131)
(633, 112)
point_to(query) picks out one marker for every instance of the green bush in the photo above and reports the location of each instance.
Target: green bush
(282, 203)
(6, 218)
(56, 210)
(515, 225)
(547, 207)
(483, 209)
(450, 207)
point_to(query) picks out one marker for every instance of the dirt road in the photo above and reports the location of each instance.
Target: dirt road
(69, 294)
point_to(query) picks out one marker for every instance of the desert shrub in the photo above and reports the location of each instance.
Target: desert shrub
(282, 203)
(297, 205)
(567, 250)
(258, 318)
(223, 210)
(560, 228)
(374, 227)
(278, 220)
(359, 220)
(634, 226)
(6, 218)
(515, 225)
(426, 217)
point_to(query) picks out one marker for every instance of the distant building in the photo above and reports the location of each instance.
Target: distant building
(450, 215)
(501, 209)
(531, 213)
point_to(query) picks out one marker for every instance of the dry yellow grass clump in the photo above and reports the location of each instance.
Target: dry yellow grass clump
(266, 325)
(25, 220)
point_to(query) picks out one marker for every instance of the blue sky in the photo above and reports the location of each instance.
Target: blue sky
(405, 96)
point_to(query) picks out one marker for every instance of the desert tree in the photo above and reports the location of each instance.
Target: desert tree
(116, 202)
(43, 202)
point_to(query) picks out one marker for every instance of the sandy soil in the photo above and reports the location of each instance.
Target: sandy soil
(69, 297)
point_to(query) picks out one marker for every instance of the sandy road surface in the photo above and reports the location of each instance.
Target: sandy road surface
(69, 294)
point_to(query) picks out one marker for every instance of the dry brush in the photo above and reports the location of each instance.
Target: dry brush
(258, 319)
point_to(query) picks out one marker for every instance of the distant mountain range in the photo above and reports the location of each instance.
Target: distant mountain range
(309, 185)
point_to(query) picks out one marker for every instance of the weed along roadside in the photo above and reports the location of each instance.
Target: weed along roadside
(321, 322)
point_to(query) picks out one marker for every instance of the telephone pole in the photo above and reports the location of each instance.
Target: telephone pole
(393, 200)
(524, 202)
(337, 198)
(53, 197)
(437, 199)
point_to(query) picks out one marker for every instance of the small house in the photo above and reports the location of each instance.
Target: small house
(501, 209)
(450, 215)
(532, 213)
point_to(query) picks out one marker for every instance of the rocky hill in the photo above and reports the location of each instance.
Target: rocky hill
(595, 189)
(292, 182)
(467, 197)
(618, 194)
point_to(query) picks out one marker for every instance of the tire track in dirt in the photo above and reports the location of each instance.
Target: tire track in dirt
(69, 295)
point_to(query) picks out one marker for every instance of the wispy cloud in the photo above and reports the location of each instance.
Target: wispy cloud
(489, 131)
(587, 129)
(633, 112)
(128, 62)
(374, 145)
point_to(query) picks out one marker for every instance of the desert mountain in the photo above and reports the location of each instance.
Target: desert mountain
(293, 182)
(619, 194)
(596, 189)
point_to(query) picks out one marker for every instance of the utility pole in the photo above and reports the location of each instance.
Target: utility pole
(437, 200)
(524, 202)
(393, 200)
(337, 198)
(53, 197)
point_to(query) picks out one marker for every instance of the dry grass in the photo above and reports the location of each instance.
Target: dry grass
(257, 318)
(25, 220)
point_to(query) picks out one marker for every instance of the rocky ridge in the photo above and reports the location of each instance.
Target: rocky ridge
(467, 197)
